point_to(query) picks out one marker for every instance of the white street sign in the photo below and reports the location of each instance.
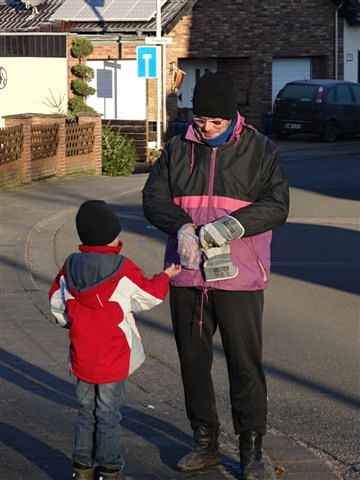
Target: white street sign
(158, 40)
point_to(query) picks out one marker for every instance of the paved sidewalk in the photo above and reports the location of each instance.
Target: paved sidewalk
(37, 404)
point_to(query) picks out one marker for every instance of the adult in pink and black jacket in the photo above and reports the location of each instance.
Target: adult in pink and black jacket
(220, 167)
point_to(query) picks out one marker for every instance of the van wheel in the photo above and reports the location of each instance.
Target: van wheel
(330, 132)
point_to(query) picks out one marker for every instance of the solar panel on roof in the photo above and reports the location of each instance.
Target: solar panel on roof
(96, 3)
(114, 11)
(107, 10)
(68, 10)
(90, 12)
(143, 9)
(83, 10)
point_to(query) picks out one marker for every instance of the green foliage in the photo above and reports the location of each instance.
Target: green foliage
(153, 155)
(81, 47)
(119, 153)
(83, 71)
(77, 105)
(80, 87)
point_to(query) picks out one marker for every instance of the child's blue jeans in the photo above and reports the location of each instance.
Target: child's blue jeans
(97, 428)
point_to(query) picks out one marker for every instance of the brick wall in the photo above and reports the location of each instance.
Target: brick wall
(92, 160)
(341, 60)
(10, 173)
(244, 36)
(128, 50)
(250, 34)
(105, 51)
(27, 169)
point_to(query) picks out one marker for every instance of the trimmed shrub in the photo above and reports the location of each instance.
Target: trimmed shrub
(83, 71)
(118, 153)
(80, 87)
(77, 105)
(81, 47)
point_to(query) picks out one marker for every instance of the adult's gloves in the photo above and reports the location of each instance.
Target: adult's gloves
(218, 264)
(189, 247)
(220, 232)
(214, 239)
(213, 246)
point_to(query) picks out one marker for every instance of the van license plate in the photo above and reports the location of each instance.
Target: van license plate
(293, 126)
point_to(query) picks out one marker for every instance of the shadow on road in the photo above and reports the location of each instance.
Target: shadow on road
(35, 380)
(171, 442)
(318, 254)
(51, 461)
(272, 370)
(332, 170)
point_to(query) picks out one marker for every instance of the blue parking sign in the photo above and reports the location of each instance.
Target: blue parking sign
(147, 61)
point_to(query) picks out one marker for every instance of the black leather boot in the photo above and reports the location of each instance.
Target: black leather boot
(82, 472)
(104, 473)
(205, 453)
(252, 463)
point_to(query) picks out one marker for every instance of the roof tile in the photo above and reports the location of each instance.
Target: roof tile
(17, 19)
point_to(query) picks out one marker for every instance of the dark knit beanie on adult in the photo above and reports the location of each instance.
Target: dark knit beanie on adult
(215, 96)
(96, 223)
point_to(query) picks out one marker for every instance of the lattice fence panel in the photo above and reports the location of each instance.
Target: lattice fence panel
(79, 138)
(44, 141)
(11, 143)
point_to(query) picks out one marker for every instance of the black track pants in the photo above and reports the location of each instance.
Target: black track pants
(239, 317)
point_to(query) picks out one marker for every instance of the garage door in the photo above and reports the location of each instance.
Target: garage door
(120, 93)
(287, 70)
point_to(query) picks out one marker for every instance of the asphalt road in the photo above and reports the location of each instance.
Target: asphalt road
(312, 322)
(312, 319)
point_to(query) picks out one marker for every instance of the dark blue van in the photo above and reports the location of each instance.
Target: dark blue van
(328, 108)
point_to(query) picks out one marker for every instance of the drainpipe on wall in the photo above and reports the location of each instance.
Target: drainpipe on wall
(337, 39)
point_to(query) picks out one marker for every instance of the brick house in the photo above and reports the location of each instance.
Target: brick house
(33, 64)
(261, 45)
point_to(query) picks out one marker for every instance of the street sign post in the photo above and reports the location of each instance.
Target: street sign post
(147, 58)
(151, 62)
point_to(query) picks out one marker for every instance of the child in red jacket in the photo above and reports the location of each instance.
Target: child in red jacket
(94, 296)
